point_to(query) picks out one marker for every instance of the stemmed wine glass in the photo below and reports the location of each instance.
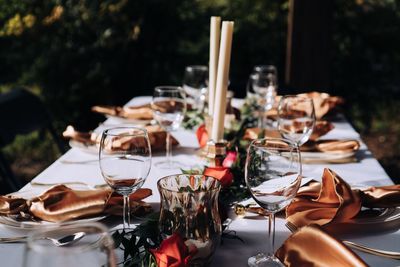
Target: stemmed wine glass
(125, 162)
(195, 83)
(94, 248)
(169, 107)
(262, 87)
(273, 176)
(296, 118)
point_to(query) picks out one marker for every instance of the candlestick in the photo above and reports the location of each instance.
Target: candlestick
(222, 81)
(216, 153)
(214, 48)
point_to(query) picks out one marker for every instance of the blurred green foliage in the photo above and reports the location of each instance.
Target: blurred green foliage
(78, 53)
(87, 52)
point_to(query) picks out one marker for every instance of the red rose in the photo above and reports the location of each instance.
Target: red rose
(173, 252)
(222, 174)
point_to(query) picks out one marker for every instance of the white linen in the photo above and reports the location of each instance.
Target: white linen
(253, 231)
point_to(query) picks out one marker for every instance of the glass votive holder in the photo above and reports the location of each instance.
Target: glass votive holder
(189, 207)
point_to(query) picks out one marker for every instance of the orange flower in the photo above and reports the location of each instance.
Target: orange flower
(222, 174)
(173, 252)
(202, 135)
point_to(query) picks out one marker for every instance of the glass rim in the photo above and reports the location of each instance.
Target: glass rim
(109, 130)
(196, 67)
(40, 234)
(304, 98)
(159, 186)
(168, 88)
(285, 140)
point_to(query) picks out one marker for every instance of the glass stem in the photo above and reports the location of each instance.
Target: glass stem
(127, 213)
(168, 148)
(271, 234)
(261, 118)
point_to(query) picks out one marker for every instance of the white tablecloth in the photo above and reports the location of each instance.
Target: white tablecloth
(253, 232)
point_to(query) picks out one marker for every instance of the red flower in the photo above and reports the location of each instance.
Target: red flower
(173, 252)
(202, 135)
(222, 174)
(229, 159)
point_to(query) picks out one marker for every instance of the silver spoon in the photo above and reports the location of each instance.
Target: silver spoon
(63, 241)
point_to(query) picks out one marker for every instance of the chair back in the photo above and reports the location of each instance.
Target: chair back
(21, 112)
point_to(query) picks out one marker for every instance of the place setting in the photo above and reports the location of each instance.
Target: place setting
(186, 178)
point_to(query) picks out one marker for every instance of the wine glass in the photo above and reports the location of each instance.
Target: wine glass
(262, 89)
(296, 118)
(273, 176)
(125, 161)
(94, 248)
(195, 83)
(169, 107)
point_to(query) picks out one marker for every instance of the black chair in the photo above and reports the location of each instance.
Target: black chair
(21, 112)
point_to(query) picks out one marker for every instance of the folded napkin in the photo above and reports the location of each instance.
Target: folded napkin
(332, 145)
(143, 112)
(321, 128)
(333, 202)
(60, 203)
(311, 246)
(157, 137)
(323, 102)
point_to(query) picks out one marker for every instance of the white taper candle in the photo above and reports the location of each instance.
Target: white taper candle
(215, 30)
(224, 60)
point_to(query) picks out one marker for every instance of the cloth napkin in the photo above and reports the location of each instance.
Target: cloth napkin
(321, 128)
(331, 145)
(157, 137)
(323, 103)
(143, 112)
(311, 246)
(61, 203)
(333, 202)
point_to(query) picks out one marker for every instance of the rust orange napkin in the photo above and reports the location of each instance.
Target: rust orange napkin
(312, 247)
(331, 145)
(323, 102)
(142, 112)
(321, 128)
(61, 203)
(157, 137)
(333, 202)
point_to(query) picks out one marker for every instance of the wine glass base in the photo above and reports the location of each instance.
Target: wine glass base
(264, 260)
(169, 165)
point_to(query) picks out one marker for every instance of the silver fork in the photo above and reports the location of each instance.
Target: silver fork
(377, 252)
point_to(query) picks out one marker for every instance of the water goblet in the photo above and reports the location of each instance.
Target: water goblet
(273, 176)
(125, 162)
(195, 83)
(296, 118)
(94, 248)
(169, 107)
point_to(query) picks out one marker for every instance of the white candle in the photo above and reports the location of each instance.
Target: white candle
(215, 29)
(224, 61)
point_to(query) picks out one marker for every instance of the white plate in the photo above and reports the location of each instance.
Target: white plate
(35, 191)
(90, 149)
(310, 157)
(121, 120)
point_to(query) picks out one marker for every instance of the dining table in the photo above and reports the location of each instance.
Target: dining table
(81, 166)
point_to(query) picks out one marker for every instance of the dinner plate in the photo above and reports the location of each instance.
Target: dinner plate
(28, 225)
(122, 120)
(35, 191)
(318, 157)
(370, 221)
(90, 149)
